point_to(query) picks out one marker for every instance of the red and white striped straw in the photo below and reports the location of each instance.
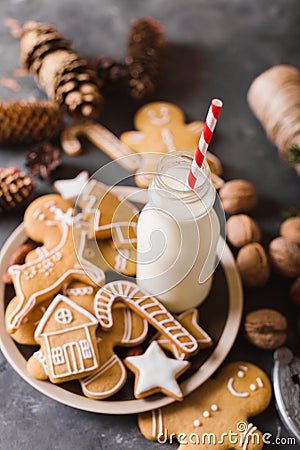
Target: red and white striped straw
(205, 138)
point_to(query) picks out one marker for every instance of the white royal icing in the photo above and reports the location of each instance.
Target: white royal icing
(246, 436)
(148, 306)
(65, 354)
(157, 422)
(88, 383)
(150, 377)
(161, 119)
(197, 423)
(71, 188)
(259, 382)
(233, 391)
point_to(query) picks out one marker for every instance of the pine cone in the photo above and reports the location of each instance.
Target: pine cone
(61, 72)
(146, 58)
(112, 74)
(43, 159)
(16, 188)
(27, 122)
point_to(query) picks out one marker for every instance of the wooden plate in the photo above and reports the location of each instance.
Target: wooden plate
(220, 316)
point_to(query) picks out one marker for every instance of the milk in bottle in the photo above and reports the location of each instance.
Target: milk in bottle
(177, 235)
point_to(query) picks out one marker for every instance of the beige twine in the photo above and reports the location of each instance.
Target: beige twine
(274, 97)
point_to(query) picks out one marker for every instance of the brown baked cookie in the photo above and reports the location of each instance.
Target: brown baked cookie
(129, 330)
(218, 408)
(73, 258)
(161, 129)
(67, 336)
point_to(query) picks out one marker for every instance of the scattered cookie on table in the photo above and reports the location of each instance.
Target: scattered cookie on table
(220, 406)
(155, 372)
(161, 129)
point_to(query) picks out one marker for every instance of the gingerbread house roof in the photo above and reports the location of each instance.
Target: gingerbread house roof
(63, 315)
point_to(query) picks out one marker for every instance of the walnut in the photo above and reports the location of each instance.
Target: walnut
(285, 257)
(238, 196)
(266, 328)
(290, 229)
(241, 230)
(253, 265)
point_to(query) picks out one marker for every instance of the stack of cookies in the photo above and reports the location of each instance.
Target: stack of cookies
(63, 304)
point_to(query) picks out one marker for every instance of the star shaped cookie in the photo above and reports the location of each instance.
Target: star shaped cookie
(190, 320)
(155, 372)
(71, 188)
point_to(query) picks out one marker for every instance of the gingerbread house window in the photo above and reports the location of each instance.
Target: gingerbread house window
(63, 316)
(85, 349)
(57, 356)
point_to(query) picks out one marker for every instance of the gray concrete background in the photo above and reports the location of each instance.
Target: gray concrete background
(216, 48)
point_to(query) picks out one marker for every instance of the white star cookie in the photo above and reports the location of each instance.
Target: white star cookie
(70, 189)
(155, 372)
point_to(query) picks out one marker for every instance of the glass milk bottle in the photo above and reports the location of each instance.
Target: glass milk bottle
(177, 235)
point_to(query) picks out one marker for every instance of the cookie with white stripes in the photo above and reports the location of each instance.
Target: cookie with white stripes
(129, 330)
(216, 413)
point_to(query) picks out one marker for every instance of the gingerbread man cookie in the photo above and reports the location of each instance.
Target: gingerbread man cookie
(72, 258)
(215, 415)
(129, 330)
(161, 129)
(67, 336)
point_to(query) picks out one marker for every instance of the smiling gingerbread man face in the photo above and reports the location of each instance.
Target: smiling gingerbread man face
(243, 384)
(219, 406)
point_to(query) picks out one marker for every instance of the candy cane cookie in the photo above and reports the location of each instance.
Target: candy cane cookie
(148, 307)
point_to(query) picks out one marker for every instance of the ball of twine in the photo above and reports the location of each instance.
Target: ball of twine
(274, 97)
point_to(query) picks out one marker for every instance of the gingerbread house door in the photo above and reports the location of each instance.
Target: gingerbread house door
(73, 357)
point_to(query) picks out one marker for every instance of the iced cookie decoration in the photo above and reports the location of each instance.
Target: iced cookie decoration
(155, 372)
(147, 307)
(73, 258)
(24, 334)
(39, 223)
(81, 293)
(190, 321)
(129, 330)
(108, 215)
(160, 129)
(121, 260)
(67, 336)
(220, 406)
(70, 189)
